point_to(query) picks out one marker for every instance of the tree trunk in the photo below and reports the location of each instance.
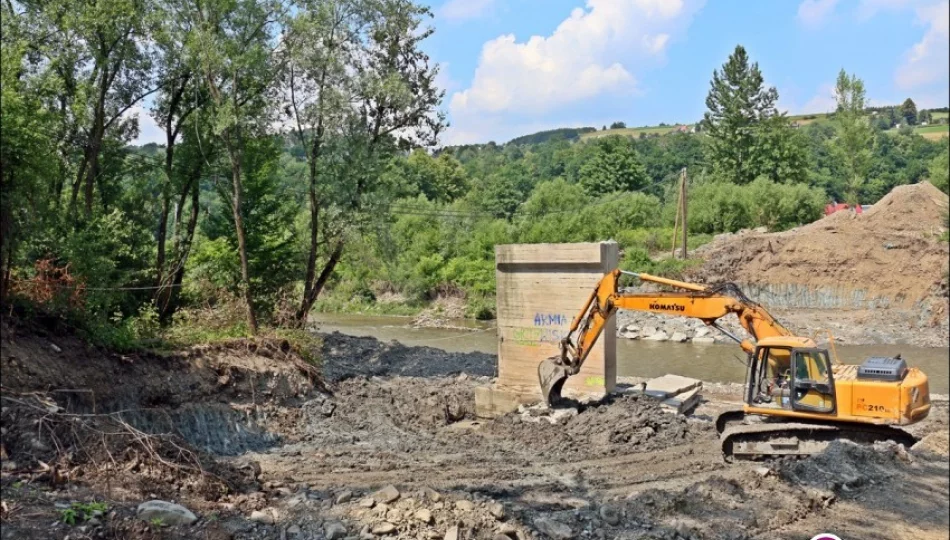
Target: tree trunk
(168, 301)
(306, 302)
(236, 194)
(314, 292)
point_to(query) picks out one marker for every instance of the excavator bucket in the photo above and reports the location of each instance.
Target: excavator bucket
(552, 376)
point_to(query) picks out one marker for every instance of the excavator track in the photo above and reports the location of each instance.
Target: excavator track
(781, 439)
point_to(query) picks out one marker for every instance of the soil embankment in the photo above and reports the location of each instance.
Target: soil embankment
(247, 439)
(879, 277)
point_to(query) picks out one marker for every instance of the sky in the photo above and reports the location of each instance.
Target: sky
(514, 67)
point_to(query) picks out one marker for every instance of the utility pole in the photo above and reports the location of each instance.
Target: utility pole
(683, 201)
(676, 223)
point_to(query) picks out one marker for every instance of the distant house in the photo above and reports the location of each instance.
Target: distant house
(796, 125)
(682, 129)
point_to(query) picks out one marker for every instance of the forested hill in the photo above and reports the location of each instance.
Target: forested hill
(284, 184)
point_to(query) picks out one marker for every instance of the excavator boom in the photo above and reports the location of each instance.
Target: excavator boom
(708, 304)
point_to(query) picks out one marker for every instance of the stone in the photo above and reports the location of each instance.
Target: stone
(560, 416)
(170, 514)
(384, 528)
(424, 515)
(464, 506)
(555, 529)
(763, 471)
(508, 528)
(327, 408)
(293, 532)
(649, 330)
(497, 510)
(387, 494)
(702, 332)
(452, 534)
(679, 337)
(334, 530)
(367, 502)
(500, 536)
(344, 497)
(610, 514)
(660, 335)
(432, 494)
(705, 340)
(263, 516)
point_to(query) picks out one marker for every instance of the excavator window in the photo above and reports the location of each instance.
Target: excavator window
(813, 386)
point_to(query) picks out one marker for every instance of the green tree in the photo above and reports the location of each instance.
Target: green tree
(618, 125)
(909, 112)
(855, 135)
(737, 104)
(232, 42)
(612, 165)
(940, 169)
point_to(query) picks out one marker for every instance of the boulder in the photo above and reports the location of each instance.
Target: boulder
(497, 510)
(387, 494)
(169, 513)
(679, 337)
(452, 534)
(424, 515)
(702, 332)
(659, 335)
(554, 529)
(334, 530)
(344, 497)
(464, 506)
(384, 528)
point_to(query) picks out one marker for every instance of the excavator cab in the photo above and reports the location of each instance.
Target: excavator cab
(791, 373)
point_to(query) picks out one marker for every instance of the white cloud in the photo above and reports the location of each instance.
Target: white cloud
(926, 62)
(149, 130)
(590, 54)
(870, 8)
(822, 102)
(460, 10)
(814, 13)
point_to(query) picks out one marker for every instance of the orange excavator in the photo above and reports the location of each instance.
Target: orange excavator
(796, 399)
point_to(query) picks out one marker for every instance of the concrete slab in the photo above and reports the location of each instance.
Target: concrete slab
(670, 385)
(682, 403)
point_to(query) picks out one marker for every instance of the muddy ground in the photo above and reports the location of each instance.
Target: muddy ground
(385, 445)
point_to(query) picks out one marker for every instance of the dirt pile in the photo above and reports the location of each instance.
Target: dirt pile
(618, 424)
(347, 356)
(890, 255)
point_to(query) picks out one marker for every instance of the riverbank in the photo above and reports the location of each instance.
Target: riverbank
(383, 444)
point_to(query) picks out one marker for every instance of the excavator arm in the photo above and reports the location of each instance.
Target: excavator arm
(709, 304)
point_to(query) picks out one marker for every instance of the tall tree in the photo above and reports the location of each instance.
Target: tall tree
(909, 112)
(358, 83)
(612, 165)
(234, 42)
(738, 102)
(855, 135)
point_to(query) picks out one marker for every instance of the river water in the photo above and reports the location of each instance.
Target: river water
(635, 358)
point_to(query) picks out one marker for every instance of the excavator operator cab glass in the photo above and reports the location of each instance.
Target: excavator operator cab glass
(812, 385)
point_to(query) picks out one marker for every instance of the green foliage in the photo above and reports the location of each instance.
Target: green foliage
(720, 206)
(611, 164)
(909, 112)
(939, 170)
(82, 512)
(552, 135)
(854, 133)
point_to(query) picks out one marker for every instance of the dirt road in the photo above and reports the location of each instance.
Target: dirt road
(377, 453)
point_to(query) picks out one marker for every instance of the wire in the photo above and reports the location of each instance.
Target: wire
(137, 288)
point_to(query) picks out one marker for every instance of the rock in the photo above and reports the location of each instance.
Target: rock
(500, 536)
(432, 494)
(464, 506)
(660, 335)
(497, 510)
(386, 495)
(334, 530)
(679, 337)
(704, 340)
(169, 513)
(55, 347)
(293, 532)
(452, 534)
(554, 529)
(763, 471)
(508, 528)
(424, 515)
(344, 497)
(610, 514)
(384, 528)
(327, 408)
(368, 502)
(262, 516)
(560, 416)
(702, 332)
(649, 330)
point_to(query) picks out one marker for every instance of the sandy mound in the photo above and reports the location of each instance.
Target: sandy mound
(890, 252)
